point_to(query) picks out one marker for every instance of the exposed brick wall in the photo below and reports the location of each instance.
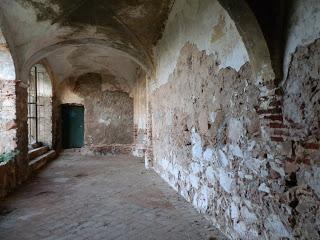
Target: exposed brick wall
(290, 116)
(14, 134)
(8, 129)
(8, 125)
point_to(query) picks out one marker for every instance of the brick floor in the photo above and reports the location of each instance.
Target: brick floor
(80, 197)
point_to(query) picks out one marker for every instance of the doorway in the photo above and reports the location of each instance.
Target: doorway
(72, 126)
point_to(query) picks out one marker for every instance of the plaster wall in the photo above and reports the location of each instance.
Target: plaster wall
(108, 109)
(212, 142)
(204, 23)
(303, 28)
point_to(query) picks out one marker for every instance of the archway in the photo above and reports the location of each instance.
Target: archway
(7, 101)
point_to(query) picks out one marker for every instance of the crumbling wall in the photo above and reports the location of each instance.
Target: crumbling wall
(13, 134)
(8, 131)
(206, 129)
(7, 116)
(108, 110)
(7, 99)
(14, 168)
(108, 118)
(215, 143)
(300, 128)
(303, 27)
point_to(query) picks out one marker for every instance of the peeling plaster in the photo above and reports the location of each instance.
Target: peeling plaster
(195, 22)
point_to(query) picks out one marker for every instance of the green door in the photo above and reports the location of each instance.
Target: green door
(72, 126)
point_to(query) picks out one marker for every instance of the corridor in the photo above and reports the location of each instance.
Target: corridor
(80, 197)
(200, 114)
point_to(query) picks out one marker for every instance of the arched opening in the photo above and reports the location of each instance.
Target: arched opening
(7, 103)
(39, 107)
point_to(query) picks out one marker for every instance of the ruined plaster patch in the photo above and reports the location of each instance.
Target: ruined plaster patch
(218, 30)
(302, 28)
(195, 26)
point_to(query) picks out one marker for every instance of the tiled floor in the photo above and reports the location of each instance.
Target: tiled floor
(79, 197)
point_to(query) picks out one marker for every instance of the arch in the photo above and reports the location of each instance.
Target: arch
(253, 39)
(143, 61)
(7, 51)
(8, 98)
(7, 69)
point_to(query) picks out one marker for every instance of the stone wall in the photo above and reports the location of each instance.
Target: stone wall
(8, 130)
(13, 135)
(108, 110)
(243, 152)
(7, 99)
(108, 118)
(13, 131)
(299, 128)
(7, 116)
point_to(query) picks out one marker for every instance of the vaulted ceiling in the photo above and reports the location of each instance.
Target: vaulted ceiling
(77, 36)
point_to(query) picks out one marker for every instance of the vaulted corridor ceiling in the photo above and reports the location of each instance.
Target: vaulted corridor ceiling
(220, 97)
(61, 30)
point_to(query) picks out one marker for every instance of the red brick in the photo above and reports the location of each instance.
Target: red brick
(276, 103)
(270, 111)
(277, 125)
(306, 161)
(275, 117)
(277, 139)
(280, 132)
(312, 146)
